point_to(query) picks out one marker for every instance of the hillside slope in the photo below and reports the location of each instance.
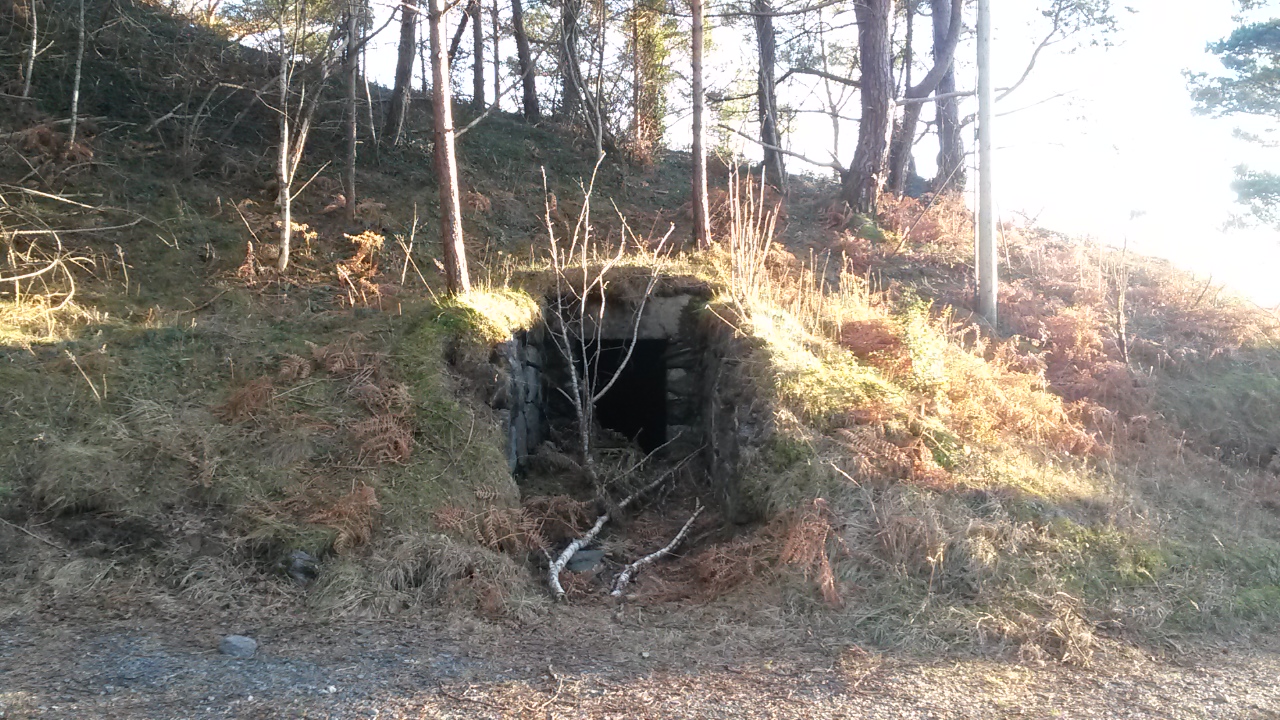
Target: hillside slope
(183, 426)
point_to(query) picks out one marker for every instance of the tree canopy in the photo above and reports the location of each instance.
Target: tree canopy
(1249, 86)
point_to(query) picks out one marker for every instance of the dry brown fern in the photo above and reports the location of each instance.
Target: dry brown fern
(807, 545)
(246, 401)
(384, 438)
(353, 517)
(293, 367)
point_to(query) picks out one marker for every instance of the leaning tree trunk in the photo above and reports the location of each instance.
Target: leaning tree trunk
(866, 174)
(477, 50)
(455, 253)
(944, 51)
(951, 152)
(527, 76)
(766, 94)
(701, 207)
(457, 36)
(404, 73)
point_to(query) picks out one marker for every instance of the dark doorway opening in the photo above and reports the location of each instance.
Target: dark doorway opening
(636, 405)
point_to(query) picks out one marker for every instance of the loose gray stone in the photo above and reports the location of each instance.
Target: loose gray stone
(585, 560)
(238, 646)
(303, 567)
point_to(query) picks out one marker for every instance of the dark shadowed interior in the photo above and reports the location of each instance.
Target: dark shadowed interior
(636, 405)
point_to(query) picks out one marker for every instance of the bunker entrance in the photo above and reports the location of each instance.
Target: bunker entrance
(677, 398)
(669, 437)
(636, 404)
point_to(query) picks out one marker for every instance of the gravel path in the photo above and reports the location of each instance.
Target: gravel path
(579, 665)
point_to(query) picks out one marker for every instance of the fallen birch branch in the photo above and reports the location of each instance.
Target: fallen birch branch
(567, 554)
(629, 571)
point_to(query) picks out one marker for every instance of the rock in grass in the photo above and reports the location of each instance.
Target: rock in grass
(585, 560)
(302, 567)
(238, 646)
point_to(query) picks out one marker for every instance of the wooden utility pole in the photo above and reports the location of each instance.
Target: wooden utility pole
(986, 257)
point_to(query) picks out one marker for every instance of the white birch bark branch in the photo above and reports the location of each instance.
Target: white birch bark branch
(629, 571)
(558, 565)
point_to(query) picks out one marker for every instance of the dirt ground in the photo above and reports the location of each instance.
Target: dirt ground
(584, 663)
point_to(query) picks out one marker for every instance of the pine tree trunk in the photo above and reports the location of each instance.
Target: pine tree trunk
(866, 174)
(394, 130)
(477, 65)
(701, 207)
(571, 100)
(457, 35)
(497, 58)
(352, 117)
(951, 152)
(649, 50)
(455, 253)
(766, 94)
(527, 76)
(904, 131)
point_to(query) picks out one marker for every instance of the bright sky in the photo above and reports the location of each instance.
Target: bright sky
(1124, 140)
(1128, 141)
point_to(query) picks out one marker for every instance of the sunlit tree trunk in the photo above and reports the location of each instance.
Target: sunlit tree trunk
(404, 73)
(284, 196)
(701, 207)
(455, 253)
(528, 77)
(866, 174)
(766, 93)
